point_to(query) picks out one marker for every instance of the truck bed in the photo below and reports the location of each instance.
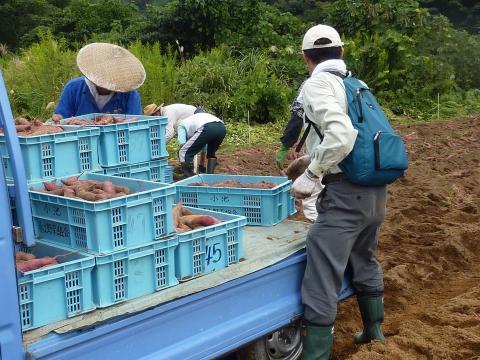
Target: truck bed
(198, 319)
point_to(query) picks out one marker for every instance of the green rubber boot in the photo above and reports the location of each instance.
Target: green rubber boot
(317, 342)
(371, 309)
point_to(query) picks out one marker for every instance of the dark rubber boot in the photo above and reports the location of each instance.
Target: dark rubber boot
(371, 309)
(211, 164)
(317, 342)
(187, 168)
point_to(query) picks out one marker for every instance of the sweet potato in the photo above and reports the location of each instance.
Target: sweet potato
(177, 212)
(37, 122)
(34, 264)
(49, 186)
(119, 120)
(122, 189)
(70, 193)
(103, 120)
(58, 192)
(23, 256)
(297, 167)
(70, 181)
(186, 212)
(101, 197)
(77, 122)
(21, 121)
(85, 195)
(108, 187)
(183, 228)
(22, 128)
(202, 220)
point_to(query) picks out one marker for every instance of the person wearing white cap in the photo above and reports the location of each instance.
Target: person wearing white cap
(349, 215)
(111, 75)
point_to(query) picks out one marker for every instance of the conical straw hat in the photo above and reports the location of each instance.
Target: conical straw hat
(152, 109)
(111, 67)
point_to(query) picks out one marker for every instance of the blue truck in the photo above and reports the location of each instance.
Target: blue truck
(254, 315)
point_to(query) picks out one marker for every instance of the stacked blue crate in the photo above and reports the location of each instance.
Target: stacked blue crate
(55, 155)
(135, 149)
(56, 292)
(64, 289)
(211, 248)
(264, 207)
(132, 237)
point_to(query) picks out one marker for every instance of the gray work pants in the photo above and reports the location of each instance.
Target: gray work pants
(346, 231)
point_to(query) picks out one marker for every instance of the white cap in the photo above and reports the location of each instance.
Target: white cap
(321, 36)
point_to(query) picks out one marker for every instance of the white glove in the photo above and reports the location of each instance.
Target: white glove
(305, 185)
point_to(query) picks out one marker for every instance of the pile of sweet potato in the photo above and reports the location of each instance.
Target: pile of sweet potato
(90, 190)
(28, 262)
(185, 220)
(237, 184)
(34, 127)
(100, 120)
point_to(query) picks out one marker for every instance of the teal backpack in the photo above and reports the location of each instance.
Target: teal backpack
(379, 156)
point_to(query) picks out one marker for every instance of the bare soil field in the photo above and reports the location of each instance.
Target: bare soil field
(429, 247)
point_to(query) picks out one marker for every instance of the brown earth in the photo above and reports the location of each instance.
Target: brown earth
(429, 247)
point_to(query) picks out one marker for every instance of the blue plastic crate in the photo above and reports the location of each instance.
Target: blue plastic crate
(169, 174)
(56, 292)
(128, 274)
(155, 170)
(105, 226)
(130, 143)
(211, 248)
(264, 207)
(56, 155)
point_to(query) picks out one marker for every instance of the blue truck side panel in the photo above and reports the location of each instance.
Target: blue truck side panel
(21, 193)
(11, 347)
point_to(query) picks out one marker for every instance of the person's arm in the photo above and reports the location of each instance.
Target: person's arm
(182, 134)
(134, 104)
(292, 130)
(323, 108)
(66, 104)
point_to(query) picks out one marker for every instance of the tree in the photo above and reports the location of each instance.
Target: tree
(462, 13)
(83, 19)
(19, 17)
(204, 24)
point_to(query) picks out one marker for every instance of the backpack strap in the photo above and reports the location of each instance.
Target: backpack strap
(339, 74)
(305, 134)
(310, 123)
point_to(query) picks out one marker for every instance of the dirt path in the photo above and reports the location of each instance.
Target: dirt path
(429, 247)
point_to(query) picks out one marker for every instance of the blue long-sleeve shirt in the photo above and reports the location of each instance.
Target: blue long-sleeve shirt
(76, 99)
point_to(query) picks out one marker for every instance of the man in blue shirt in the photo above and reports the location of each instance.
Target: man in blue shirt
(111, 76)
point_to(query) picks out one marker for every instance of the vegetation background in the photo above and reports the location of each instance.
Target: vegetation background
(240, 58)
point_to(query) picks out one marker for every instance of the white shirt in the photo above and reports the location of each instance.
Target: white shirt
(100, 100)
(325, 104)
(196, 121)
(176, 113)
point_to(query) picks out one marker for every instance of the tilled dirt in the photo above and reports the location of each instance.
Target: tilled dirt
(429, 247)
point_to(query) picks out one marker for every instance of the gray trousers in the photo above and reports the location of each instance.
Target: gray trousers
(345, 232)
